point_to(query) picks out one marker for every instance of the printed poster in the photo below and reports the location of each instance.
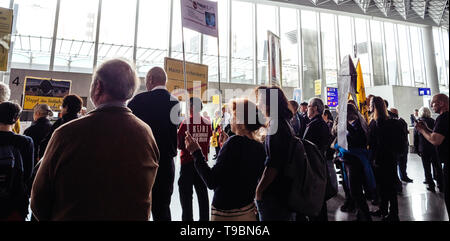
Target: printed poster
(45, 91)
(200, 16)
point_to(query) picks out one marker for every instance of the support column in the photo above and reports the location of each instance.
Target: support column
(430, 60)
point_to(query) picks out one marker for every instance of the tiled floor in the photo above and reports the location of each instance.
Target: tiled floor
(415, 203)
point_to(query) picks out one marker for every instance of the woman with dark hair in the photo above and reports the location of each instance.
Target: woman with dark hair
(239, 165)
(353, 162)
(384, 138)
(273, 188)
(16, 153)
(70, 108)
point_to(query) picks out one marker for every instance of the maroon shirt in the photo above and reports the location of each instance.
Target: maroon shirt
(201, 130)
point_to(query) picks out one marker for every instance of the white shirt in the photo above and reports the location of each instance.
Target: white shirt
(159, 87)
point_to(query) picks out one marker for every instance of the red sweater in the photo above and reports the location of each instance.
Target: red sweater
(201, 131)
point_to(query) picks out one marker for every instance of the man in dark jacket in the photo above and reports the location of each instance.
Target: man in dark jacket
(317, 132)
(40, 127)
(160, 110)
(439, 138)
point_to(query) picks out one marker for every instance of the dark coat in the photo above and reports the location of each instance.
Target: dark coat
(154, 108)
(422, 145)
(38, 131)
(317, 132)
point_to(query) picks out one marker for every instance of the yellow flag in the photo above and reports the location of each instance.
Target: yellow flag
(361, 93)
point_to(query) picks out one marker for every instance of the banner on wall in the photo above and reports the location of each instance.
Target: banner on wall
(274, 57)
(332, 97)
(297, 95)
(6, 20)
(318, 87)
(194, 73)
(200, 16)
(45, 91)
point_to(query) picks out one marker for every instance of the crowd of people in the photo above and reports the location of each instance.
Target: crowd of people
(118, 161)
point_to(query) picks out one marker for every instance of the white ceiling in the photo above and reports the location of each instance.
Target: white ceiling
(427, 12)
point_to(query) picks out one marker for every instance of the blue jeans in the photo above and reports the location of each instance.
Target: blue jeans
(270, 209)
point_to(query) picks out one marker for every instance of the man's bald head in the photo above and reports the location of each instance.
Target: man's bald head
(440, 103)
(156, 77)
(394, 110)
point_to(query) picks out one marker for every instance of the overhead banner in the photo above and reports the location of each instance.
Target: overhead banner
(194, 73)
(200, 16)
(45, 91)
(6, 19)
(275, 74)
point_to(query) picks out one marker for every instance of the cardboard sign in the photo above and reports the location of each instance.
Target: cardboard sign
(195, 74)
(201, 16)
(6, 19)
(45, 91)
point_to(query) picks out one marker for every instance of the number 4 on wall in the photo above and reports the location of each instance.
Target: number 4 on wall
(16, 81)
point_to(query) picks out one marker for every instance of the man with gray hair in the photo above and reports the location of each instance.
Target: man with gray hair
(102, 166)
(160, 110)
(317, 132)
(5, 92)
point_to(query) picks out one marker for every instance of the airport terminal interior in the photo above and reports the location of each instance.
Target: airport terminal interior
(401, 46)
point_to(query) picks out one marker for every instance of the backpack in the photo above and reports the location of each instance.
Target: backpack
(11, 177)
(307, 171)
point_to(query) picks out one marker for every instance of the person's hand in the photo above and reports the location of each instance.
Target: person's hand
(420, 125)
(223, 137)
(191, 144)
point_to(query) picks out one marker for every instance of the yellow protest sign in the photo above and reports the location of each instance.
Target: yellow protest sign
(6, 19)
(216, 99)
(45, 91)
(194, 73)
(318, 87)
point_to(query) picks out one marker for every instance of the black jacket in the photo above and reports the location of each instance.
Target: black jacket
(422, 145)
(317, 132)
(235, 175)
(38, 131)
(61, 121)
(154, 108)
(24, 145)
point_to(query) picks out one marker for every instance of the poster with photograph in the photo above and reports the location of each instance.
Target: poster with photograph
(45, 91)
(274, 59)
(200, 16)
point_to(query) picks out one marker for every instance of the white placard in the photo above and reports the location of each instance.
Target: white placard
(201, 16)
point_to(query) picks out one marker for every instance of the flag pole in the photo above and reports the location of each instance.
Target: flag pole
(185, 80)
(218, 69)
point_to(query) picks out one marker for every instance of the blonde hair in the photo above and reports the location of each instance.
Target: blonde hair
(249, 118)
(424, 112)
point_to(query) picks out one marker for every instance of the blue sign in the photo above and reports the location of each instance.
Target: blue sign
(332, 97)
(424, 92)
